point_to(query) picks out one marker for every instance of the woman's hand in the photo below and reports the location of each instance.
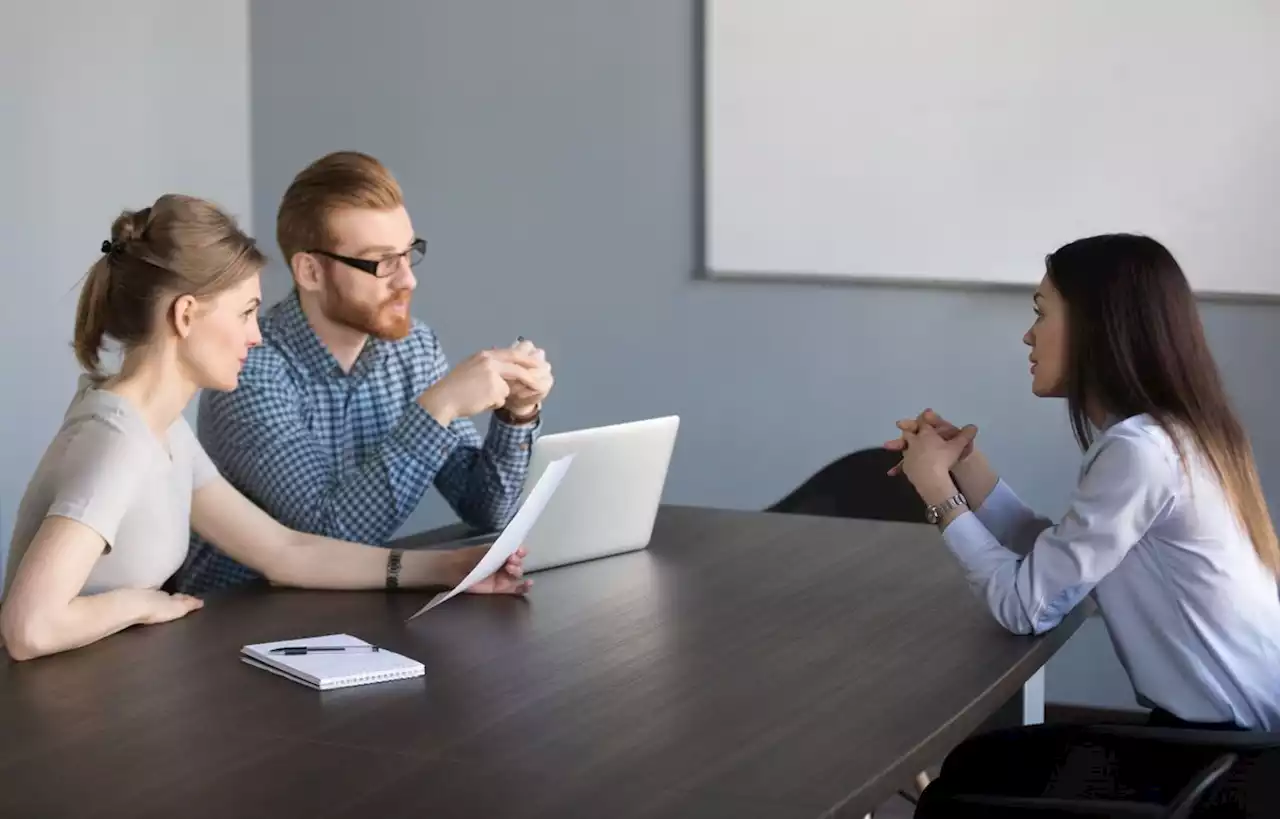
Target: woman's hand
(507, 580)
(944, 428)
(161, 607)
(929, 458)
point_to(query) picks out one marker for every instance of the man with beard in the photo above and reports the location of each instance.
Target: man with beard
(348, 410)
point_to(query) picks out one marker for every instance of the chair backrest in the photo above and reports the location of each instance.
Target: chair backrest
(856, 486)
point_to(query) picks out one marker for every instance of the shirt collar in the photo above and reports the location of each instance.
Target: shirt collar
(297, 333)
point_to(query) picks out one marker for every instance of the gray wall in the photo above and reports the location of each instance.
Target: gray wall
(102, 108)
(549, 153)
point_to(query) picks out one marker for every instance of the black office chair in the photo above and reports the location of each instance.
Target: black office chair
(856, 486)
(1195, 774)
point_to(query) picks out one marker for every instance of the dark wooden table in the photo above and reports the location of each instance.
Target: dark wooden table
(746, 665)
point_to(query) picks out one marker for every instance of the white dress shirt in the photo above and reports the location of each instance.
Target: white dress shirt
(1192, 611)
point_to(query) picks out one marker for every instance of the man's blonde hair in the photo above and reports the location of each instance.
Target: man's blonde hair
(343, 179)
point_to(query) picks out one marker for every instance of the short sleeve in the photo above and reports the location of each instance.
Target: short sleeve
(98, 477)
(202, 468)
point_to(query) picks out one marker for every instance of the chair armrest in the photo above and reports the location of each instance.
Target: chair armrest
(1008, 807)
(1244, 741)
(1187, 799)
(999, 807)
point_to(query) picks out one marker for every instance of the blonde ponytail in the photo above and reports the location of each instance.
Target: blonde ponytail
(179, 245)
(91, 316)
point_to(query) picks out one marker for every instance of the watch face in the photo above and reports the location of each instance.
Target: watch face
(931, 515)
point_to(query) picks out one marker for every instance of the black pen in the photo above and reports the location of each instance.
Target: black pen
(294, 650)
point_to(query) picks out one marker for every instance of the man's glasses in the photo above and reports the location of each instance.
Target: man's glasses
(386, 266)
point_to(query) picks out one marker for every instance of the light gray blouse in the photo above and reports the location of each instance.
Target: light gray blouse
(1193, 613)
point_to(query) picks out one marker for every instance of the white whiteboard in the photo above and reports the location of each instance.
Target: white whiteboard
(962, 140)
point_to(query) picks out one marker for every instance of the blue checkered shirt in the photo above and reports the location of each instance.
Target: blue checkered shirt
(348, 455)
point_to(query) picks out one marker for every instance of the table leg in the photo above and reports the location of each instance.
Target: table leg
(1024, 708)
(1033, 700)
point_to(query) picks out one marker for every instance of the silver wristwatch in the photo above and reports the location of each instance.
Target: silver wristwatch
(934, 514)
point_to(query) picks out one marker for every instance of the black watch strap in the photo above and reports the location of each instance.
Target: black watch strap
(506, 417)
(393, 568)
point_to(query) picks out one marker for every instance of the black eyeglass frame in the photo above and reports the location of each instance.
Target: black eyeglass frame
(370, 266)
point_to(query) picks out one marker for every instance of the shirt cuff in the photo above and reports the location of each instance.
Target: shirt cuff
(503, 438)
(1001, 505)
(422, 436)
(973, 545)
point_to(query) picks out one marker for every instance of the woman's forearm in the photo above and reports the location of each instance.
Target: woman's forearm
(82, 621)
(316, 562)
(975, 478)
(241, 529)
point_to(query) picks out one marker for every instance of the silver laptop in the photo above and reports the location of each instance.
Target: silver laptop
(608, 500)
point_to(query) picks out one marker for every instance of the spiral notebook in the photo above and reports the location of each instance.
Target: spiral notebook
(362, 664)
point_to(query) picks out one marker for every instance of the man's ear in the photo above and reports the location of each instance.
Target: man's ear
(182, 314)
(306, 271)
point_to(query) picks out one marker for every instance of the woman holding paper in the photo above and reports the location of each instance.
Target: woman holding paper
(105, 519)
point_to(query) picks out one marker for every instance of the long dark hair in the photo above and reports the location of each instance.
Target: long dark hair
(1136, 346)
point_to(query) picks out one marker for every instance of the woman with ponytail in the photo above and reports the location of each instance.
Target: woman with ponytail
(106, 518)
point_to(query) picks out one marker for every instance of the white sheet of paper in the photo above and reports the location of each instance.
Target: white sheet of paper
(514, 533)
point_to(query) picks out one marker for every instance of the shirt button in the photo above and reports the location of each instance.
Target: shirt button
(523, 447)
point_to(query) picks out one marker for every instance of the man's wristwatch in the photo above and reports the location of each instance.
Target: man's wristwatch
(505, 415)
(935, 514)
(393, 569)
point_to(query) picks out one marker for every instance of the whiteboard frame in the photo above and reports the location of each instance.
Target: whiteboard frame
(702, 208)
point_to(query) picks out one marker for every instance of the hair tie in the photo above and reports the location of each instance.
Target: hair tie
(112, 248)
